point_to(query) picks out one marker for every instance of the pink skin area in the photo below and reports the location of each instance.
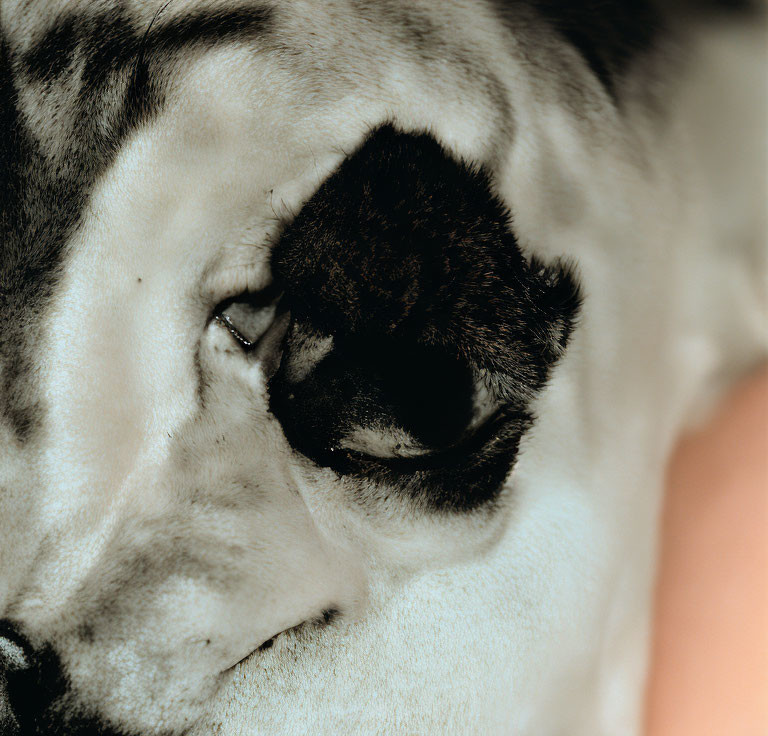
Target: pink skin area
(709, 674)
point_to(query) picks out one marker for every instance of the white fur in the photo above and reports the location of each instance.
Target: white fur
(531, 619)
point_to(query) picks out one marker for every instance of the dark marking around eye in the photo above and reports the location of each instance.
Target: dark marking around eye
(418, 388)
(406, 259)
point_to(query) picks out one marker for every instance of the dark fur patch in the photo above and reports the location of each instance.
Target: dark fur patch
(406, 258)
(609, 34)
(39, 696)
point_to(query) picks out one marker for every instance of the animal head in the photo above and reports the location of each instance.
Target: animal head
(286, 289)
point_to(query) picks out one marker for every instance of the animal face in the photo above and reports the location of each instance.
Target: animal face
(318, 320)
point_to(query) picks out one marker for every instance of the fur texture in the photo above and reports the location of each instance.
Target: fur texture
(518, 246)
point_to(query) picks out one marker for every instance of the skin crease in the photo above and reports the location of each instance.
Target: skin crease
(709, 670)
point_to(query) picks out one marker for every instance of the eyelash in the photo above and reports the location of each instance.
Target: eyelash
(442, 459)
(265, 299)
(225, 321)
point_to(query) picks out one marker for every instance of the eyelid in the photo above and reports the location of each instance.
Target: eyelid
(248, 317)
(448, 457)
(381, 442)
(235, 280)
(224, 320)
(236, 269)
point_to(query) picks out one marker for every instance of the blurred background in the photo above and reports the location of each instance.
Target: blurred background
(709, 673)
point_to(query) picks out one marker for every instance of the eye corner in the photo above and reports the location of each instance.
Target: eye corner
(248, 316)
(220, 318)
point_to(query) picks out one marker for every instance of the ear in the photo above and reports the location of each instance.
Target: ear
(415, 317)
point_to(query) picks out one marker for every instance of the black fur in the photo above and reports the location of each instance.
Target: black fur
(39, 696)
(609, 34)
(407, 260)
(612, 34)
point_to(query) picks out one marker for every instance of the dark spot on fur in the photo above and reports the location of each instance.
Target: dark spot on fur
(266, 645)
(86, 633)
(329, 616)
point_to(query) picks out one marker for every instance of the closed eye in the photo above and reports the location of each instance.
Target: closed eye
(382, 442)
(411, 460)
